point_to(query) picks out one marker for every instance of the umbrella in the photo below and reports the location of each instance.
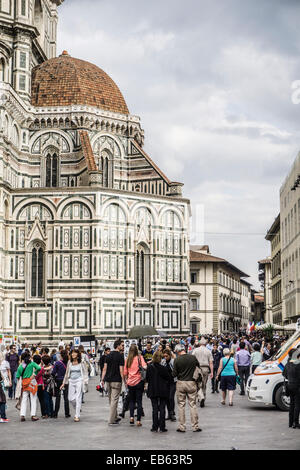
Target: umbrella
(142, 330)
(162, 334)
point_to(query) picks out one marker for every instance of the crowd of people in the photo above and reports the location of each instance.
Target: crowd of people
(163, 369)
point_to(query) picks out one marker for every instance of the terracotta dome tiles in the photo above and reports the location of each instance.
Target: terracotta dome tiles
(65, 81)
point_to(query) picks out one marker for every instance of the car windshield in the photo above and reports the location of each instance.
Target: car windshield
(286, 346)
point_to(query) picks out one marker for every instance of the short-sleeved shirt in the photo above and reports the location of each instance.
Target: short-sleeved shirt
(147, 355)
(133, 373)
(256, 358)
(203, 355)
(114, 361)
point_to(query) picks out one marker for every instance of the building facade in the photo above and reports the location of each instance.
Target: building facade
(265, 278)
(93, 235)
(273, 236)
(290, 244)
(219, 298)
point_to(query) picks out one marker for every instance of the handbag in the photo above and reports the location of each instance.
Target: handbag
(6, 381)
(142, 371)
(238, 380)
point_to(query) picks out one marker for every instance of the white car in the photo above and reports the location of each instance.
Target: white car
(266, 384)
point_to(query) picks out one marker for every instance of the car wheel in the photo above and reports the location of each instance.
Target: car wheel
(282, 401)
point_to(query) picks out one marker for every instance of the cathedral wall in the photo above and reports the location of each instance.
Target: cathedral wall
(89, 244)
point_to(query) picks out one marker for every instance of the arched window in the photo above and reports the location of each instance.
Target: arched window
(2, 70)
(52, 170)
(37, 271)
(15, 136)
(142, 273)
(107, 167)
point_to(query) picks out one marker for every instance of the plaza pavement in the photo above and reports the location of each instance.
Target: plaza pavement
(243, 426)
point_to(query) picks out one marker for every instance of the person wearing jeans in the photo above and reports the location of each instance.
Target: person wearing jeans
(134, 382)
(13, 360)
(112, 374)
(158, 391)
(58, 372)
(243, 360)
(47, 371)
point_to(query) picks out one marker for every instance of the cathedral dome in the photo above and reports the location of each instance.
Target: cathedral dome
(65, 81)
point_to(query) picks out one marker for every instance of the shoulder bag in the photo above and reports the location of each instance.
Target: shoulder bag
(142, 371)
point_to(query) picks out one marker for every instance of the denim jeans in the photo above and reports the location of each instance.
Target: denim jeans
(58, 393)
(12, 389)
(244, 372)
(48, 403)
(2, 411)
(135, 397)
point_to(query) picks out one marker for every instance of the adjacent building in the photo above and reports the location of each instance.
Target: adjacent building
(265, 278)
(220, 298)
(290, 244)
(93, 235)
(273, 236)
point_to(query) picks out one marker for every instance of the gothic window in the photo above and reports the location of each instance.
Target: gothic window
(142, 273)
(37, 271)
(52, 170)
(106, 165)
(2, 70)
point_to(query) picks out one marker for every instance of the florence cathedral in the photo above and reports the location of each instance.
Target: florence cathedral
(93, 235)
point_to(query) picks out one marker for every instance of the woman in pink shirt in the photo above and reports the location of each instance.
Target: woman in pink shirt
(134, 382)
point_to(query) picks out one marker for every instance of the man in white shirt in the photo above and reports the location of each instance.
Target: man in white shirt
(205, 359)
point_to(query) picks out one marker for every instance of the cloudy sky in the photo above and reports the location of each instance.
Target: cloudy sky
(212, 83)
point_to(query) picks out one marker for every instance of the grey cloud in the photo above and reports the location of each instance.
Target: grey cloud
(212, 84)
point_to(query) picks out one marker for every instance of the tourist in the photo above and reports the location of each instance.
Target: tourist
(40, 385)
(168, 361)
(243, 360)
(291, 372)
(266, 351)
(3, 417)
(135, 382)
(58, 372)
(256, 357)
(148, 352)
(205, 359)
(5, 371)
(186, 387)
(157, 378)
(112, 374)
(48, 386)
(13, 360)
(76, 377)
(26, 371)
(217, 355)
(227, 372)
